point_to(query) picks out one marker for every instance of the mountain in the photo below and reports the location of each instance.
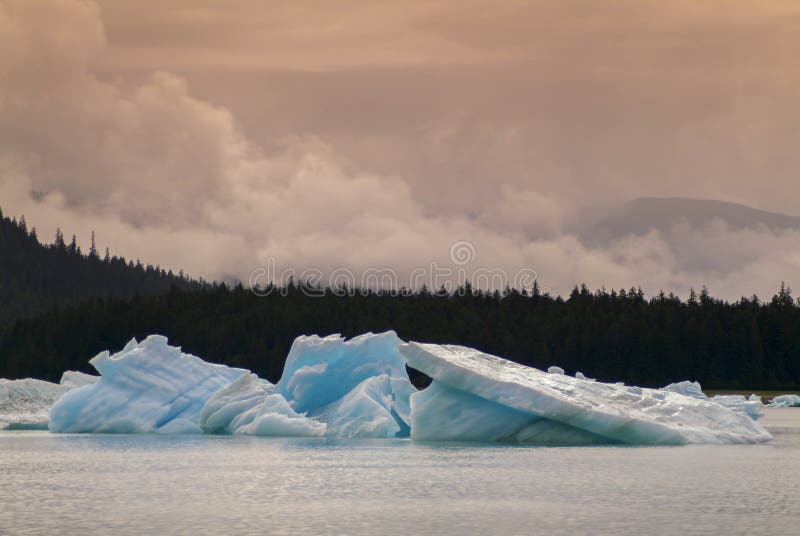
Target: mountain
(644, 214)
(35, 277)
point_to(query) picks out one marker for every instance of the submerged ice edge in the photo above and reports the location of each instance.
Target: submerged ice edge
(334, 387)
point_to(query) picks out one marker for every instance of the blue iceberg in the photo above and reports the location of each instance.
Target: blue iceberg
(359, 388)
(477, 396)
(330, 387)
(146, 387)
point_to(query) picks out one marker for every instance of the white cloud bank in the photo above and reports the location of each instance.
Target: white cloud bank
(169, 178)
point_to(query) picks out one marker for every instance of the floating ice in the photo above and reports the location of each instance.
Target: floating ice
(147, 387)
(477, 396)
(321, 370)
(25, 404)
(359, 388)
(330, 386)
(555, 370)
(785, 401)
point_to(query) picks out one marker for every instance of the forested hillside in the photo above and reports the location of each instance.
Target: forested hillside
(59, 307)
(35, 278)
(616, 336)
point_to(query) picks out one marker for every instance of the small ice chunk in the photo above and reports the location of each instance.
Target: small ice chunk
(686, 388)
(785, 401)
(555, 370)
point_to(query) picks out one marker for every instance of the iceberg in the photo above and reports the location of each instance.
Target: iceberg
(25, 404)
(359, 388)
(330, 386)
(146, 387)
(321, 370)
(785, 401)
(477, 396)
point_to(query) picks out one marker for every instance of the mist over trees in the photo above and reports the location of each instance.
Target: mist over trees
(60, 307)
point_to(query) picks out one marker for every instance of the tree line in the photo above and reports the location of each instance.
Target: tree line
(35, 277)
(609, 335)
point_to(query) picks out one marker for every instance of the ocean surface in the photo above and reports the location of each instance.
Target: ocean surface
(150, 484)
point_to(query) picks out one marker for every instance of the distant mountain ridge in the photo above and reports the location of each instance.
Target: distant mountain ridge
(641, 215)
(35, 277)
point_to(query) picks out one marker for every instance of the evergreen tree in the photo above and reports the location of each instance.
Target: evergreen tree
(93, 249)
(35, 278)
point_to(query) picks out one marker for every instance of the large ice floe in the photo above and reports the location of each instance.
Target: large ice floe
(25, 404)
(359, 388)
(478, 396)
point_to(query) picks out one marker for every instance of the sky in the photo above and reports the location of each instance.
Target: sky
(224, 138)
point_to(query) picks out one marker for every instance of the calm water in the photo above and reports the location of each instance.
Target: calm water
(52, 484)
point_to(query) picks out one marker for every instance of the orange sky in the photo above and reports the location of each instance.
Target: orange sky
(209, 122)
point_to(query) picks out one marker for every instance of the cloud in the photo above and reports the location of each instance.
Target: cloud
(167, 176)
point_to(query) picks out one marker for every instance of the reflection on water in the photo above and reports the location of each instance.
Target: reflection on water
(101, 484)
